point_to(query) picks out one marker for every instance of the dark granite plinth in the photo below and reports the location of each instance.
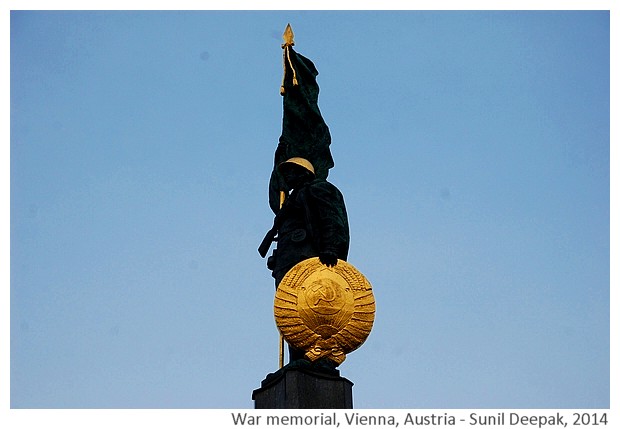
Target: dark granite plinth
(303, 388)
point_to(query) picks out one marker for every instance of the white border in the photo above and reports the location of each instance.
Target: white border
(15, 419)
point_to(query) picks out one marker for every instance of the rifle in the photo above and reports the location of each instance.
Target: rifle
(270, 237)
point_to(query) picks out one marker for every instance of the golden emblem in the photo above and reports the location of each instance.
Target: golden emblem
(325, 311)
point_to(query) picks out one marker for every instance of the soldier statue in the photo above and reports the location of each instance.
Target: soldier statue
(310, 214)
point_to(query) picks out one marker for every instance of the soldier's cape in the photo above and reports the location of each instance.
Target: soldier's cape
(304, 132)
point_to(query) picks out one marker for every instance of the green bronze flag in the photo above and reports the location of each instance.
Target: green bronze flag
(304, 132)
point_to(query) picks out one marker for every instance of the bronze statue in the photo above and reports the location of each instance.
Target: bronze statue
(310, 228)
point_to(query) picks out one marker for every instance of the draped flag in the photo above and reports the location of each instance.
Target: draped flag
(304, 132)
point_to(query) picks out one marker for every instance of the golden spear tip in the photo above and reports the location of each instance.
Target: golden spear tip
(288, 36)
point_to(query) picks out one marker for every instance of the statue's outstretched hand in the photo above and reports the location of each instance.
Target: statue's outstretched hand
(328, 258)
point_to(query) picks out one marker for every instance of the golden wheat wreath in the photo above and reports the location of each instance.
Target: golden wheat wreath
(325, 311)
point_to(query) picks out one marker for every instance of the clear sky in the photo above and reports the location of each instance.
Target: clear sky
(472, 149)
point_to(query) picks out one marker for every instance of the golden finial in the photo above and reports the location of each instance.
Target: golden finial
(288, 37)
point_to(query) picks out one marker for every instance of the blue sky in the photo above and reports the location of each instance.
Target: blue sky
(472, 149)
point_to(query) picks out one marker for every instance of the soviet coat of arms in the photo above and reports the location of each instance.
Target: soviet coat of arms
(325, 311)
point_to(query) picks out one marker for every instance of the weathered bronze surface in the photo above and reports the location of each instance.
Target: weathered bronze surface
(324, 311)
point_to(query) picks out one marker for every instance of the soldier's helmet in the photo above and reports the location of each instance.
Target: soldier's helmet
(302, 162)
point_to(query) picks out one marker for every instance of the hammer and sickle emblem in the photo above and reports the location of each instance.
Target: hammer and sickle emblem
(323, 291)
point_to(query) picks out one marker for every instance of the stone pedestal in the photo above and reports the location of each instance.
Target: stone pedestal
(303, 388)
